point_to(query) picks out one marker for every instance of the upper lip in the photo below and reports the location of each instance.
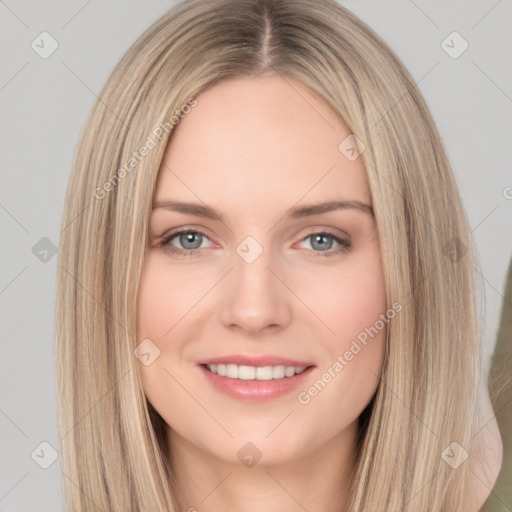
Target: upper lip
(255, 360)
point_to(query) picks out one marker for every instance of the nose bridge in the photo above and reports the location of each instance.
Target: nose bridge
(256, 298)
(251, 267)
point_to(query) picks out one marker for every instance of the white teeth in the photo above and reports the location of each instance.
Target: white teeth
(289, 371)
(242, 372)
(264, 373)
(278, 372)
(232, 371)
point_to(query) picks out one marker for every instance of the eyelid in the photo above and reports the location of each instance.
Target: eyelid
(317, 229)
(311, 230)
(177, 231)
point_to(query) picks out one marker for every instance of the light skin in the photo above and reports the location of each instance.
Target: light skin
(251, 150)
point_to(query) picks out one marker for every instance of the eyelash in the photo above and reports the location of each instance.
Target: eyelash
(345, 245)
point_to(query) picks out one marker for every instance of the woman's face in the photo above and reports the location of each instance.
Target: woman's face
(270, 283)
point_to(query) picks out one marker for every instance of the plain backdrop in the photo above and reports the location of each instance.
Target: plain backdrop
(44, 103)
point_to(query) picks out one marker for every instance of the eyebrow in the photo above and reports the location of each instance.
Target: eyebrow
(293, 213)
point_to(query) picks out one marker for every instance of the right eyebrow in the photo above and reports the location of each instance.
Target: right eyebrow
(188, 208)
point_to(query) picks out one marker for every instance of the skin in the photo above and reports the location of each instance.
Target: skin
(486, 467)
(250, 150)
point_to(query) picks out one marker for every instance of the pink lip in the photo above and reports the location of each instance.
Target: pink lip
(255, 390)
(261, 360)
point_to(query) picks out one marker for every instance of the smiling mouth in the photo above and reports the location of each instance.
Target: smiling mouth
(263, 373)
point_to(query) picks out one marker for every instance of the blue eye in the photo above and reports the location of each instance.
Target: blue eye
(191, 242)
(324, 241)
(192, 239)
(319, 241)
(189, 238)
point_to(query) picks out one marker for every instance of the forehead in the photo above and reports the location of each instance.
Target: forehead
(260, 142)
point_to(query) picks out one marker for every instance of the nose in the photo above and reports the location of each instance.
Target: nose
(255, 300)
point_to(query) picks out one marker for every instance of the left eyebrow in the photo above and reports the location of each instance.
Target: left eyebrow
(315, 209)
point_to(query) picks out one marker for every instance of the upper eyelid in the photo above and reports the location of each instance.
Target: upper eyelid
(170, 235)
(313, 231)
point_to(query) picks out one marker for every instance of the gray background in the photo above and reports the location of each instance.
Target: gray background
(44, 103)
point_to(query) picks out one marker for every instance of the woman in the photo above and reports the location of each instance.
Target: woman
(316, 346)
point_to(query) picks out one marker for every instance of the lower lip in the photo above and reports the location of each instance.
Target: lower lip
(255, 390)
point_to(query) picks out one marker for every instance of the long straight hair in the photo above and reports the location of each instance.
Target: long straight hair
(112, 442)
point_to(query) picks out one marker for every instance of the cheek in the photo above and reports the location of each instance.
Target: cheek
(353, 347)
(349, 299)
(162, 301)
(159, 308)
(164, 298)
(350, 304)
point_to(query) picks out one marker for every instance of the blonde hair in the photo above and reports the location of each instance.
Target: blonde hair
(113, 444)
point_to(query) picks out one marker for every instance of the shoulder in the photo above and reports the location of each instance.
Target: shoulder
(485, 460)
